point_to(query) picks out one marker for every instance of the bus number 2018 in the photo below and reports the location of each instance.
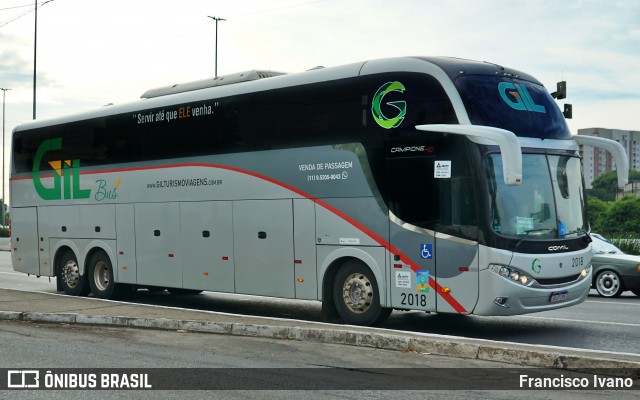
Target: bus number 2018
(413, 299)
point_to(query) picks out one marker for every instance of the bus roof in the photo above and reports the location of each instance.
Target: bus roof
(454, 67)
(211, 82)
(254, 81)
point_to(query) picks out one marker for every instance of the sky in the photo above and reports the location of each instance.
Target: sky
(94, 52)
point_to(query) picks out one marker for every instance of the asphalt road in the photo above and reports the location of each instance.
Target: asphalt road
(608, 325)
(245, 364)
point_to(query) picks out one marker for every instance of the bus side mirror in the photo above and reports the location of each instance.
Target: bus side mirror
(561, 92)
(568, 111)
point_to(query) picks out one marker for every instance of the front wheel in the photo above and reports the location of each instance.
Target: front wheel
(608, 284)
(356, 295)
(71, 281)
(101, 278)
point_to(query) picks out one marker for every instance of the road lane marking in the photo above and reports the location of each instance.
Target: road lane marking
(581, 320)
(613, 302)
(13, 273)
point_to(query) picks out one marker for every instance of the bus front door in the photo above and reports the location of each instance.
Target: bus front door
(457, 274)
(434, 224)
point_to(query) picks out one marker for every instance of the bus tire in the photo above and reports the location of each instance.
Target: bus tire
(101, 278)
(71, 281)
(356, 295)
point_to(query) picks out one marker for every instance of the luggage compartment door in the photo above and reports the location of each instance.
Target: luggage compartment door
(25, 253)
(263, 245)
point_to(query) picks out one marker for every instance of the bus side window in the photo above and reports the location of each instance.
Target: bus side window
(458, 203)
(411, 192)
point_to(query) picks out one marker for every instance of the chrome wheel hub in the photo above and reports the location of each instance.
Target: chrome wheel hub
(357, 293)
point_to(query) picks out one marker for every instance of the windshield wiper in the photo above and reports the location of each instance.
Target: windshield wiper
(577, 231)
(531, 231)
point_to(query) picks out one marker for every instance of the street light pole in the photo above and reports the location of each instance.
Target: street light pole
(4, 92)
(216, 19)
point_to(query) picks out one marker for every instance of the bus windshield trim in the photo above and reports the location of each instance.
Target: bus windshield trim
(507, 142)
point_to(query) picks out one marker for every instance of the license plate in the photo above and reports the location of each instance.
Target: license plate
(558, 296)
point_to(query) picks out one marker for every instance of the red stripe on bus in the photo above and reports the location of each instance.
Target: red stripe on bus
(446, 296)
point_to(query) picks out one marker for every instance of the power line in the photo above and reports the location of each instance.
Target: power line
(33, 8)
(7, 22)
(14, 7)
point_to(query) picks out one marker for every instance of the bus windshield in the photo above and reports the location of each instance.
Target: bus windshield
(522, 107)
(549, 204)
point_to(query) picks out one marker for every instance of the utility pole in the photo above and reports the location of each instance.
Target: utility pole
(35, 54)
(216, 19)
(4, 92)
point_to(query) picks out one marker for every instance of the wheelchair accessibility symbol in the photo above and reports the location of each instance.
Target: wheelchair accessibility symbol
(426, 251)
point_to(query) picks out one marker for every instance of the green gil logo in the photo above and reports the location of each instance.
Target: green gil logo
(535, 266)
(381, 119)
(66, 175)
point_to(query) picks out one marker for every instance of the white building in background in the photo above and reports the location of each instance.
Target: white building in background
(596, 162)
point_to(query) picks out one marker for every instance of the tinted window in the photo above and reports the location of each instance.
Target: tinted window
(522, 107)
(416, 196)
(326, 113)
(332, 112)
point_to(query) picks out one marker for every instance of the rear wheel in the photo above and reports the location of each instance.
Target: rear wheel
(608, 284)
(356, 295)
(101, 278)
(71, 281)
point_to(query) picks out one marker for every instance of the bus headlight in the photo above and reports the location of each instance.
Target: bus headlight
(512, 274)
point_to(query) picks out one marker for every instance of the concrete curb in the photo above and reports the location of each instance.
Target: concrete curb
(526, 355)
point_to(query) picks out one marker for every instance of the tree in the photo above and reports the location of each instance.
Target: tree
(622, 217)
(597, 213)
(605, 186)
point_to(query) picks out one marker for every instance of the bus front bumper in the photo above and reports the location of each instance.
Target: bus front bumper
(504, 297)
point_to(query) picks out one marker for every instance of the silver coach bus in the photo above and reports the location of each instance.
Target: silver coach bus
(434, 184)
